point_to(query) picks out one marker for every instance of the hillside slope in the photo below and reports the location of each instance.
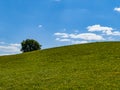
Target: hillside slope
(93, 66)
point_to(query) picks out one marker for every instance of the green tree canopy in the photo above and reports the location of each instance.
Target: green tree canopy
(30, 45)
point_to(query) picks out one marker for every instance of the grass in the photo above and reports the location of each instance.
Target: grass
(93, 66)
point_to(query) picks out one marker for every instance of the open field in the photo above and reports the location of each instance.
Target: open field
(93, 66)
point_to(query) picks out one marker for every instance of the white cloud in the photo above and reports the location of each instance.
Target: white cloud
(117, 9)
(4, 54)
(104, 29)
(40, 26)
(7, 49)
(78, 42)
(15, 45)
(71, 40)
(62, 35)
(83, 36)
(86, 36)
(63, 40)
(116, 33)
(2, 42)
(106, 33)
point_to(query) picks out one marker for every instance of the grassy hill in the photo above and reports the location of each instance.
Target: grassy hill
(93, 66)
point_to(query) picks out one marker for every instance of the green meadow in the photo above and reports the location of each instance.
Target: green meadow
(92, 66)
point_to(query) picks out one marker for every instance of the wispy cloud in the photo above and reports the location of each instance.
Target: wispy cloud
(2, 42)
(40, 26)
(83, 36)
(86, 36)
(117, 9)
(63, 39)
(78, 42)
(74, 38)
(62, 35)
(72, 41)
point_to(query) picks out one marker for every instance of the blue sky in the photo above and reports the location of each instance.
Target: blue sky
(57, 22)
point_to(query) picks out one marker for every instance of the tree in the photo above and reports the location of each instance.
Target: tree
(30, 45)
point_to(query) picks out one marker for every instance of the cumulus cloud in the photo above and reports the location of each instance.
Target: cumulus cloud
(105, 34)
(99, 28)
(7, 49)
(117, 9)
(104, 29)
